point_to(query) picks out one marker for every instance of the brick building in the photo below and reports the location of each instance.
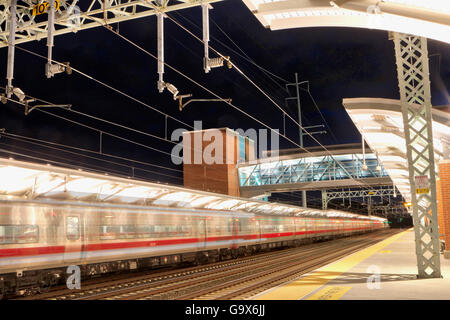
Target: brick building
(210, 158)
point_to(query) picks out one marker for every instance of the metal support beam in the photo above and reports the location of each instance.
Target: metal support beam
(160, 35)
(328, 195)
(50, 68)
(324, 200)
(299, 109)
(207, 62)
(71, 19)
(304, 202)
(11, 47)
(50, 31)
(205, 23)
(413, 76)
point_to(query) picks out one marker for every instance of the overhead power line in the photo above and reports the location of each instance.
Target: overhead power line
(97, 130)
(66, 164)
(51, 145)
(214, 94)
(109, 87)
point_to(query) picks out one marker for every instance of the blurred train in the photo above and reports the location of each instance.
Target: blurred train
(39, 239)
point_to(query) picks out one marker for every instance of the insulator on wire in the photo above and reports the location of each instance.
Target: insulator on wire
(215, 62)
(218, 62)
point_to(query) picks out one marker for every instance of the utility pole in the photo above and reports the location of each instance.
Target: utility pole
(297, 84)
(300, 131)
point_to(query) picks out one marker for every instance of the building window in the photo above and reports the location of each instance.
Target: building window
(242, 157)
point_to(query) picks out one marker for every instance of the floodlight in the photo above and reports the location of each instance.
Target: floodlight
(19, 93)
(172, 89)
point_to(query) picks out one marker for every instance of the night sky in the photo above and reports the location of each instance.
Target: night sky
(338, 62)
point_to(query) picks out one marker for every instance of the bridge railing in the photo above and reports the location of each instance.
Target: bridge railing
(322, 168)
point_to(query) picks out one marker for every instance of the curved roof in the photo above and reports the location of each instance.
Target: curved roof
(30, 181)
(427, 18)
(381, 123)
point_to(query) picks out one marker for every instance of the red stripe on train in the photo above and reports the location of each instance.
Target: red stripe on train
(17, 252)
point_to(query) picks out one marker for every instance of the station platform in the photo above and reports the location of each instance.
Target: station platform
(384, 271)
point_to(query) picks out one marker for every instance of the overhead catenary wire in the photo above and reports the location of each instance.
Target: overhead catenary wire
(265, 71)
(108, 86)
(229, 103)
(102, 131)
(241, 72)
(43, 144)
(321, 115)
(88, 151)
(67, 161)
(98, 130)
(103, 120)
(257, 120)
(174, 69)
(243, 55)
(268, 72)
(232, 105)
(67, 165)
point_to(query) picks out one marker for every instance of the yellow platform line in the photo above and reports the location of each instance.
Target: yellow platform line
(304, 286)
(329, 293)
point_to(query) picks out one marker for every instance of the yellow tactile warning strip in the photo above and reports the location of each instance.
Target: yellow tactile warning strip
(329, 293)
(304, 286)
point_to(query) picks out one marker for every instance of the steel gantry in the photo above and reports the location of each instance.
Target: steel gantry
(28, 20)
(71, 16)
(328, 195)
(413, 77)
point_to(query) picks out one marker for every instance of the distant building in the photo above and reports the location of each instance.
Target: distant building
(210, 158)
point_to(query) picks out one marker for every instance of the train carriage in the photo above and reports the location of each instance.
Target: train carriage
(43, 229)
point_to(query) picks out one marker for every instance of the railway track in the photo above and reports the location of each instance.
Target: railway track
(233, 279)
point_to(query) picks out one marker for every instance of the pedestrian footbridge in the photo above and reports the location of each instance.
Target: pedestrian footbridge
(340, 166)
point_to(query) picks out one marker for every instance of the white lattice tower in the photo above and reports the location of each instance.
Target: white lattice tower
(413, 77)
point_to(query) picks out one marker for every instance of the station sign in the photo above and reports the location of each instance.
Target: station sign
(43, 7)
(422, 184)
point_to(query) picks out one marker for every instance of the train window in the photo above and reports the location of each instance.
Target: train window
(164, 230)
(108, 232)
(127, 232)
(185, 229)
(19, 234)
(144, 231)
(73, 228)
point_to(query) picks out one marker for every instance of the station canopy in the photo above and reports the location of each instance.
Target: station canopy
(380, 121)
(426, 18)
(30, 181)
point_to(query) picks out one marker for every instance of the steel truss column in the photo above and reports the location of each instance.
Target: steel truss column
(413, 77)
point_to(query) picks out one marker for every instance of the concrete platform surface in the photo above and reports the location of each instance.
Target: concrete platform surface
(384, 271)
